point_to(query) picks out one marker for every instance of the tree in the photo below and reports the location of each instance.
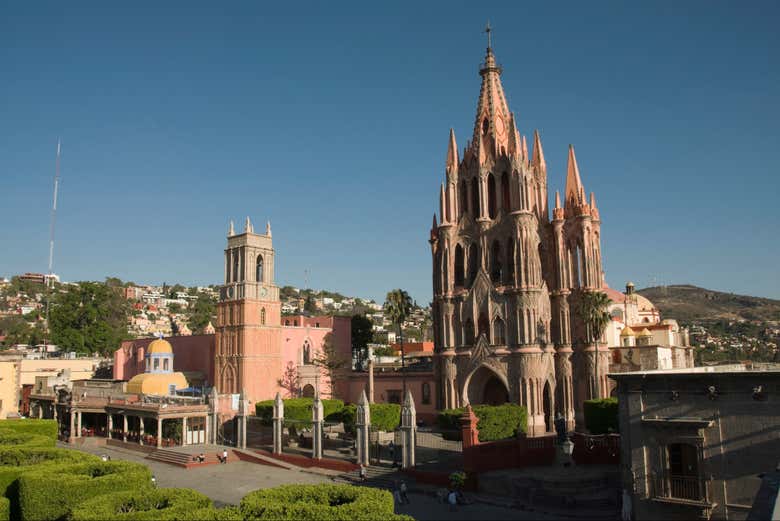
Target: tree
(362, 334)
(203, 311)
(398, 306)
(16, 330)
(329, 360)
(289, 380)
(593, 309)
(175, 289)
(90, 317)
(309, 306)
(174, 307)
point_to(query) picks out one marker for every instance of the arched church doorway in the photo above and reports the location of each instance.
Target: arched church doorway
(495, 392)
(547, 407)
(308, 391)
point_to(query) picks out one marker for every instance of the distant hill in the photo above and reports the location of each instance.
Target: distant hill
(692, 304)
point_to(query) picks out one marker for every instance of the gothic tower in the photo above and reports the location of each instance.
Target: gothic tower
(248, 332)
(504, 275)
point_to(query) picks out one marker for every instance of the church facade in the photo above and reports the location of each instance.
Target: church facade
(508, 273)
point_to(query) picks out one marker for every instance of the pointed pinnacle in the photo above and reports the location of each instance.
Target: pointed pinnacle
(574, 188)
(452, 151)
(557, 199)
(538, 158)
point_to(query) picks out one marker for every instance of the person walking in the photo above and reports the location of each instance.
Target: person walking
(452, 499)
(224, 456)
(404, 496)
(362, 472)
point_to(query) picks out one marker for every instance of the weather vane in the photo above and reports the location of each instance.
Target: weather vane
(488, 30)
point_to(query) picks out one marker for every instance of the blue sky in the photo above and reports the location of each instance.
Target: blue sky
(331, 120)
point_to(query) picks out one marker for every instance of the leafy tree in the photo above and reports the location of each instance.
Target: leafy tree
(384, 351)
(593, 311)
(203, 311)
(16, 330)
(398, 306)
(309, 306)
(89, 318)
(175, 289)
(362, 334)
(114, 282)
(329, 360)
(174, 307)
(289, 380)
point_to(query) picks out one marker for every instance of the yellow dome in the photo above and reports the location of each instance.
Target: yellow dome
(645, 332)
(155, 383)
(627, 331)
(159, 346)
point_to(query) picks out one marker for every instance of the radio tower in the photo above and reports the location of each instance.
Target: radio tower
(50, 278)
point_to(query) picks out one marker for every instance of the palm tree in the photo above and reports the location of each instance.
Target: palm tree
(593, 311)
(398, 306)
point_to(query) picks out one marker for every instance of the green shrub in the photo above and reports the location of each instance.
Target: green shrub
(15, 461)
(328, 502)
(50, 493)
(138, 505)
(496, 422)
(19, 439)
(297, 410)
(601, 416)
(47, 428)
(5, 509)
(384, 417)
(213, 514)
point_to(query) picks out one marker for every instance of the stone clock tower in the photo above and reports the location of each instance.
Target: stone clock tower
(248, 353)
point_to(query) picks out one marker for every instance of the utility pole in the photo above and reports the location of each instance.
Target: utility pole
(52, 223)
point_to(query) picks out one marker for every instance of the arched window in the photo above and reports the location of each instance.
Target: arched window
(459, 266)
(484, 326)
(230, 315)
(306, 353)
(505, 198)
(464, 197)
(509, 276)
(495, 263)
(475, 197)
(426, 392)
(156, 364)
(491, 196)
(262, 316)
(259, 269)
(468, 332)
(498, 332)
(165, 364)
(235, 266)
(473, 262)
(445, 270)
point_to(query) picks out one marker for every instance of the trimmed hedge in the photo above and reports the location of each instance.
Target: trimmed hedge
(601, 416)
(297, 410)
(139, 505)
(326, 502)
(5, 509)
(47, 428)
(16, 461)
(213, 514)
(384, 417)
(496, 422)
(50, 493)
(18, 439)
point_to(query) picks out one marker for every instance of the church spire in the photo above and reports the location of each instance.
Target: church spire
(538, 159)
(574, 195)
(452, 154)
(492, 109)
(515, 147)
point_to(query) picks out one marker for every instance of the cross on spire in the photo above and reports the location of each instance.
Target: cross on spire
(488, 30)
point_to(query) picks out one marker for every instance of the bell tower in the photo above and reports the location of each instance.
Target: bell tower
(248, 353)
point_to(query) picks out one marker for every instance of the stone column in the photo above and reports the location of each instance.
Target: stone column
(278, 422)
(110, 425)
(184, 431)
(72, 426)
(124, 427)
(468, 423)
(206, 427)
(140, 430)
(370, 380)
(78, 424)
(40, 410)
(159, 432)
(362, 423)
(317, 421)
(409, 428)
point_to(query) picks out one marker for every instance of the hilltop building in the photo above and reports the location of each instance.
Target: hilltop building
(507, 276)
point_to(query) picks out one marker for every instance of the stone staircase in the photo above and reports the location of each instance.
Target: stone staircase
(185, 460)
(376, 476)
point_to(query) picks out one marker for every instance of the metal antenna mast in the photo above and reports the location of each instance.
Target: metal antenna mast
(50, 278)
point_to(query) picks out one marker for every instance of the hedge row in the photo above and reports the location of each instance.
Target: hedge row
(601, 416)
(297, 410)
(496, 422)
(140, 505)
(47, 428)
(18, 439)
(326, 502)
(5, 509)
(51, 492)
(384, 417)
(16, 461)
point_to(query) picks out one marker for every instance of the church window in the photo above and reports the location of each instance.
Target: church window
(459, 266)
(262, 316)
(230, 315)
(468, 332)
(505, 191)
(510, 263)
(495, 263)
(156, 364)
(165, 365)
(316, 324)
(464, 198)
(475, 197)
(491, 196)
(426, 393)
(445, 271)
(473, 262)
(306, 353)
(484, 326)
(498, 331)
(235, 266)
(259, 269)
(485, 126)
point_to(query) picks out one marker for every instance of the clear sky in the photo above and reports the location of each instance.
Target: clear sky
(331, 120)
